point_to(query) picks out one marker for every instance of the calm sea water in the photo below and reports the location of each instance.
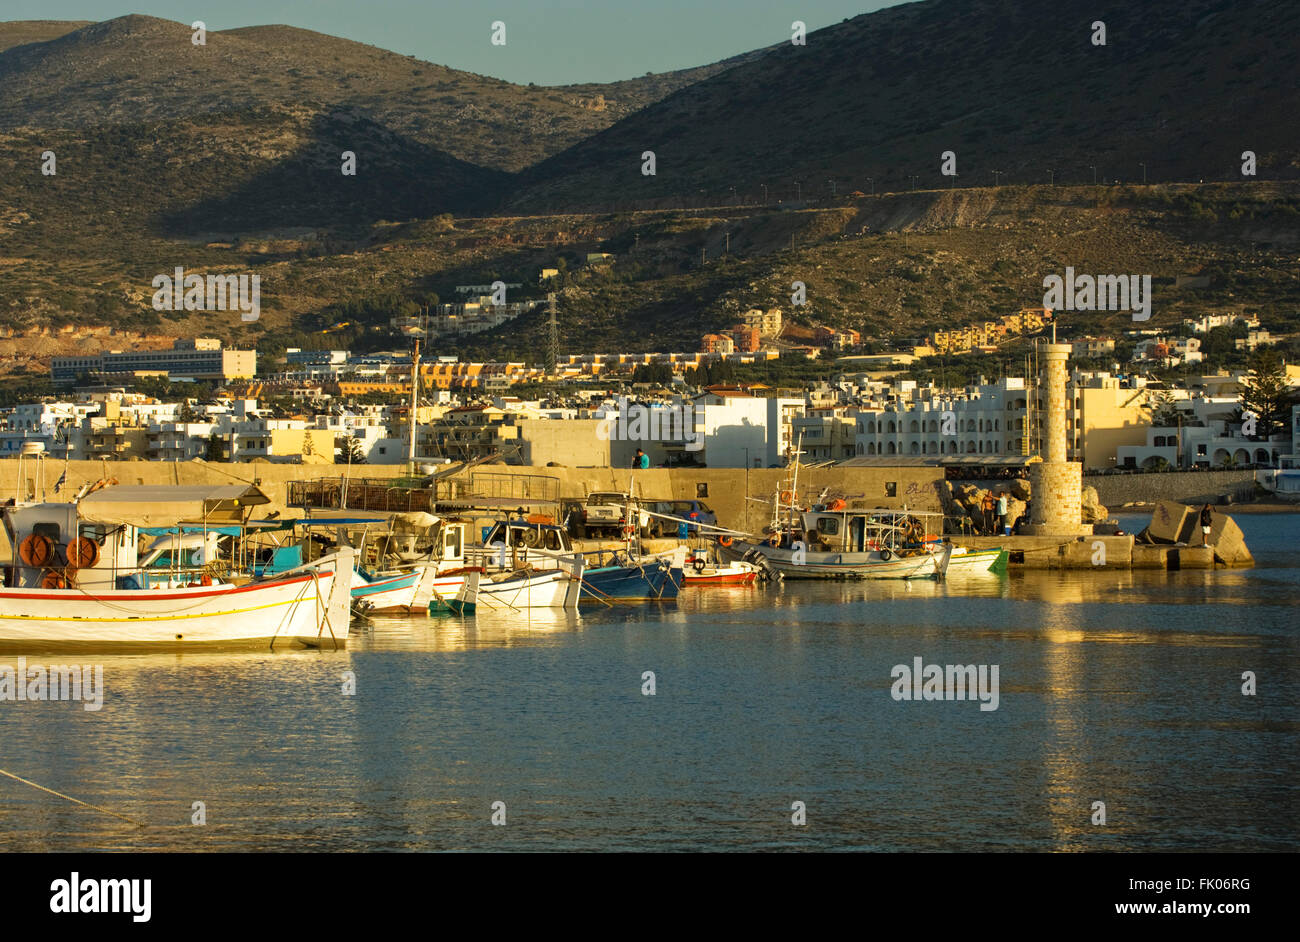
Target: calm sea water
(1123, 688)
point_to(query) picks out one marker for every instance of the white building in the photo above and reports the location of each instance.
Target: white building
(986, 419)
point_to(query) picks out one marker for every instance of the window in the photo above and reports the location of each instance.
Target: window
(702, 490)
(891, 488)
(828, 525)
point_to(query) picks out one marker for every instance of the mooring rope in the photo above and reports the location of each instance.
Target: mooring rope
(19, 778)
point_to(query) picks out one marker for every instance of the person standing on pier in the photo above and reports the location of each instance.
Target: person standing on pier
(987, 505)
(1207, 520)
(1002, 512)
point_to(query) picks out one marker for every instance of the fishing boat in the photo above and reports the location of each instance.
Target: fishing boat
(977, 562)
(700, 571)
(609, 576)
(836, 542)
(75, 579)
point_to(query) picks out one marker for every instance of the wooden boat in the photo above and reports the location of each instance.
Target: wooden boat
(845, 543)
(976, 562)
(75, 580)
(700, 571)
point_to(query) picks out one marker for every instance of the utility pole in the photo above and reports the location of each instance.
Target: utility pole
(415, 401)
(555, 336)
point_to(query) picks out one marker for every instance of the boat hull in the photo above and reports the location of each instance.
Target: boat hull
(813, 565)
(299, 609)
(400, 593)
(649, 583)
(977, 562)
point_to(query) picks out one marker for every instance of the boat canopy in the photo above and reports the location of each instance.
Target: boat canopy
(167, 506)
(416, 520)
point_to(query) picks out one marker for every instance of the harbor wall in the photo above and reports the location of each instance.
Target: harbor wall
(1187, 487)
(723, 489)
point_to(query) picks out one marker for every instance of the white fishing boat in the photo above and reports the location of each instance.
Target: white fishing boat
(836, 542)
(75, 580)
(970, 562)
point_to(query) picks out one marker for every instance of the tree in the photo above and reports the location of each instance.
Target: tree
(349, 449)
(1161, 411)
(1265, 393)
(214, 450)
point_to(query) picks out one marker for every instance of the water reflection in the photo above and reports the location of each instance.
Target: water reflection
(1115, 686)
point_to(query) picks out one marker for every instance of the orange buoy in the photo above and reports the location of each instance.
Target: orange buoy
(53, 580)
(724, 541)
(836, 504)
(82, 553)
(789, 497)
(206, 580)
(540, 518)
(36, 550)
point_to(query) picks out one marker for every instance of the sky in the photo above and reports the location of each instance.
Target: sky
(550, 42)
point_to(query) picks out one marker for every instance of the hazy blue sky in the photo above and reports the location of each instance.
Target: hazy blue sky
(550, 42)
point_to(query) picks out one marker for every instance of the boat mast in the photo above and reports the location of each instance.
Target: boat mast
(415, 399)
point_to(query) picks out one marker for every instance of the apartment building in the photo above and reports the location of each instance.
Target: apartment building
(201, 358)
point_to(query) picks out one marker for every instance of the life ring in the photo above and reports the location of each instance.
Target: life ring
(774, 540)
(53, 580)
(629, 532)
(82, 553)
(724, 541)
(36, 550)
(886, 555)
(789, 497)
(699, 564)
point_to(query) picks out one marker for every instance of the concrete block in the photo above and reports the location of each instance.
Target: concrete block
(1229, 542)
(1169, 520)
(1151, 557)
(1099, 552)
(1194, 557)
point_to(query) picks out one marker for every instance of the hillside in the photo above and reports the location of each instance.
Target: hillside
(225, 158)
(1014, 86)
(140, 70)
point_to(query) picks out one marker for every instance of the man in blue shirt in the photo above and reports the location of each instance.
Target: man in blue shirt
(642, 460)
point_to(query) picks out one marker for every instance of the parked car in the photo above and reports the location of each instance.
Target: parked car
(609, 512)
(694, 510)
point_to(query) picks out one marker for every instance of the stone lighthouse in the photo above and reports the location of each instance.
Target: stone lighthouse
(1055, 483)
